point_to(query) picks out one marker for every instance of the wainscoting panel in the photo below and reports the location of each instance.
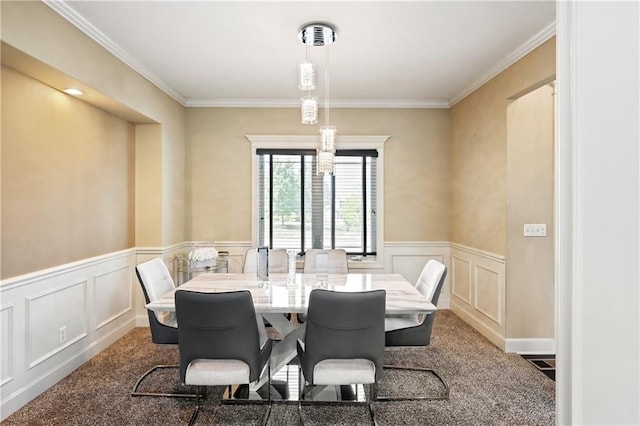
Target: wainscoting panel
(488, 293)
(479, 291)
(112, 295)
(461, 279)
(6, 343)
(56, 319)
(54, 312)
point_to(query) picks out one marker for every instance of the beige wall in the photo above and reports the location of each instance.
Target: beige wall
(479, 152)
(416, 167)
(67, 178)
(148, 181)
(36, 30)
(530, 299)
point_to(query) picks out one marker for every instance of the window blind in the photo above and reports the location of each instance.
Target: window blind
(301, 210)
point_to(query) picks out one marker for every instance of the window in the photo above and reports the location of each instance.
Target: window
(297, 209)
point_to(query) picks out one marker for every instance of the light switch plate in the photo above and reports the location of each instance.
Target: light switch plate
(535, 229)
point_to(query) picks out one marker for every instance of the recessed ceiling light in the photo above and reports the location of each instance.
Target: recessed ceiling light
(72, 91)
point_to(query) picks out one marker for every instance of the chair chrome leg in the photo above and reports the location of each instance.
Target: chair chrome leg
(416, 398)
(265, 421)
(248, 401)
(266, 417)
(192, 420)
(134, 391)
(372, 414)
(269, 382)
(372, 397)
(300, 412)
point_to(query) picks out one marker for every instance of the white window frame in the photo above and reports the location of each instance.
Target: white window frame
(376, 142)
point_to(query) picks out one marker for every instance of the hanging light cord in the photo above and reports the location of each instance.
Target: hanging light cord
(308, 54)
(326, 83)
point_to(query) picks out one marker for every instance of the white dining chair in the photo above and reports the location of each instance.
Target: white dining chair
(277, 261)
(415, 330)
(337, 261)
(155, 280)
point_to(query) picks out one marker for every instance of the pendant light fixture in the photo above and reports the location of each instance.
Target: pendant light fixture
(322, 35)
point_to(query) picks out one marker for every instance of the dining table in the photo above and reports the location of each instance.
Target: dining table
(281, 294)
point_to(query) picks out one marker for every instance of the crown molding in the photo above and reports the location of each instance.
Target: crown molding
(242, 103)
(389, 103)
(337, 103)
(68, 13)
(545, 34)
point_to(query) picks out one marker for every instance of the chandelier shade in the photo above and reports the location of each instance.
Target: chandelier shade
(328, 138)
(306, 76)
(325, 162)
(309, 110)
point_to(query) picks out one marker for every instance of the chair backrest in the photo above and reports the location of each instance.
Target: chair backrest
(432, 274)
(155, 280)
(430, 284)
(218, 326)
(337, 259)
(343, 325)
(277, 261)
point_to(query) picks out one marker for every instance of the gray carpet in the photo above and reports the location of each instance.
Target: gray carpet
(487, 387)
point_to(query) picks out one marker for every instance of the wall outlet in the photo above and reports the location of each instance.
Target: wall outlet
(62, 334)
(535, 229)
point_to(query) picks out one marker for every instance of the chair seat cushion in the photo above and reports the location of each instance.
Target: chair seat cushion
(344, 371)
(212, 372)
(397, 322)
(167, 318)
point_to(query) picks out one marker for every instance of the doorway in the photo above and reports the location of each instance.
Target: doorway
(530, 296)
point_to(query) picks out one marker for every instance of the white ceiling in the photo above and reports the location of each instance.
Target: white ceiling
(245, 53)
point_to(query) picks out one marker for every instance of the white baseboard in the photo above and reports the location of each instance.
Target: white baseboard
(444, 302)
(492, 335)
(478, 290)
(532, 346)
(142, 320)
(31, 390)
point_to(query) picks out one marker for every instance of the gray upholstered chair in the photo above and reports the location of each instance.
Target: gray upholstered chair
(155, 280)
(344, 340)
(219, 341)
(277, 261)
(337, 264)
(415, 330)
